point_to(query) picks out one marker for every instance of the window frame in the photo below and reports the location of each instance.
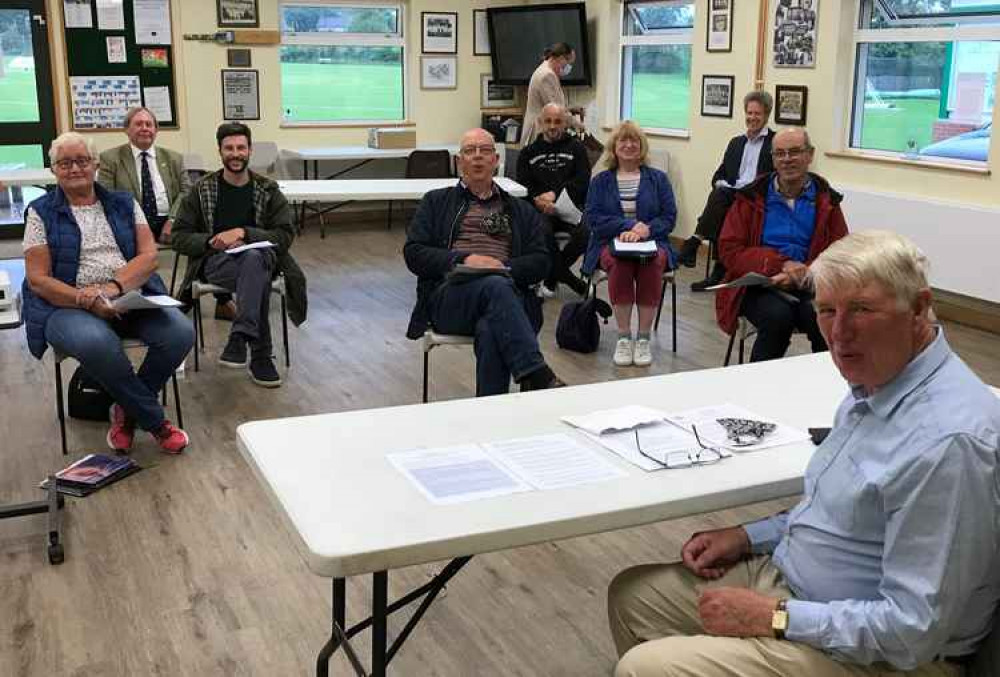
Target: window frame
(656, 37)
(968, 27)
(335, 39)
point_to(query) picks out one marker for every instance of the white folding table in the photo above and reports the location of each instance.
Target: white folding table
(359, 155)
(353, 513)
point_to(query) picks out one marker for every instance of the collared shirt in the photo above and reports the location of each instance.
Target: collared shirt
(751, 156)
(789, 222)
(162, 200)
(893, 552)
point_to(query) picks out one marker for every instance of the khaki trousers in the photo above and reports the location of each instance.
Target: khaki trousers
(653, 613)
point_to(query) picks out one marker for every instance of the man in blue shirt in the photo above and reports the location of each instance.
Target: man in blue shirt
(890, 561)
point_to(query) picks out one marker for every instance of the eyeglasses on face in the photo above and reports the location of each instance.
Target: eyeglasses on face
(481, 149)
(683, 459)
(789, 153)
(67, 163)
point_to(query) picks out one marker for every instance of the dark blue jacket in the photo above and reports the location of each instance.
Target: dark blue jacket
(654, 206)
(432, 231)
(62, 235)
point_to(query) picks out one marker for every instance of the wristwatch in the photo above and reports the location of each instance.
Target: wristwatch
(779, 619)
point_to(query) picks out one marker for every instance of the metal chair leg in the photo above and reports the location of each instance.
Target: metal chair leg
(284, 330)
(729, 350)
(673, 311)
(742, 343)
(196, 316)
(426, 364)
(60, 408)
(177, 400)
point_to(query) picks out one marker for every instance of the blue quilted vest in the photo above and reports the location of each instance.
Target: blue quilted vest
(62, 235)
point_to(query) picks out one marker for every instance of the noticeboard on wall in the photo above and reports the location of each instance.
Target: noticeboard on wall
(119, 54)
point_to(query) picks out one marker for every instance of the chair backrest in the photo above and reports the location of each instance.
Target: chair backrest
(264, 158)
(428, 164)
(510, 162)
(987, 660)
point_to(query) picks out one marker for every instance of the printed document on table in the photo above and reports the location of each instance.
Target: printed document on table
(566, 210)
(619, 418)
(657, 439)
(553, 461)
(456, 474)
(713, 434)
(263, 244)
(133, 300)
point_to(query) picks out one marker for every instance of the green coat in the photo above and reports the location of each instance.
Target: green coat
(117, 172)
(194, 226)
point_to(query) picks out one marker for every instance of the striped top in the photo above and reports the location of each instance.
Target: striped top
(473, 237)
(628, 189)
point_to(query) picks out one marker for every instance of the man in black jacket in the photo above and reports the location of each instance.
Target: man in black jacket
(476, 251)
(747, 157)
(556, 162)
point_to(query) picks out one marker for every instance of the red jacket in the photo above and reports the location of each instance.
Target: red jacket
(740, 249)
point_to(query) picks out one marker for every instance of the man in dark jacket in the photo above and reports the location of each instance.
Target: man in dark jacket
(227, 209)
(555, 163)
(476, 251)
(747, 157)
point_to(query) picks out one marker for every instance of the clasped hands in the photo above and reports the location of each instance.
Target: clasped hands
(792, 275)
(97, 299)
(727, 611)
(639, 232)
(227, 239)
(546, 202)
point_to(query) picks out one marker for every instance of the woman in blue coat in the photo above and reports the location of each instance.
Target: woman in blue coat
(631, 202)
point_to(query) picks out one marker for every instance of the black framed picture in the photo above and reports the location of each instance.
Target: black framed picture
(238, 13)
(717, 95)
(719, 26)
(240, 95)
(238, 58)
(439, 34)
(790, 104)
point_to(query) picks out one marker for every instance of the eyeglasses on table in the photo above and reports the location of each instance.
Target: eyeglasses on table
(683, 459)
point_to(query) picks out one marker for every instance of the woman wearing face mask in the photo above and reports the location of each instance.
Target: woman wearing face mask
(544, 88)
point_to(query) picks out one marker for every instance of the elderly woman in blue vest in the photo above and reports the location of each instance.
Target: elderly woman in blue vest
(630, 202)
(84, 246)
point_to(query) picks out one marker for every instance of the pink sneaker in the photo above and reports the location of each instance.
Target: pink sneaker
(171, 439)
(122, 430)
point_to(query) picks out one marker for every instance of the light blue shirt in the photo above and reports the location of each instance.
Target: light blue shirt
(893, 554)
(751, 155)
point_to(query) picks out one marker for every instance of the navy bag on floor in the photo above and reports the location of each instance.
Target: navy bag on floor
(578, 329)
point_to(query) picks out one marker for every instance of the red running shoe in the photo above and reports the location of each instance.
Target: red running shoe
(122, 430)
(171, 439)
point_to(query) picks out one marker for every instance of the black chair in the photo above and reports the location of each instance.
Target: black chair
(425, 164)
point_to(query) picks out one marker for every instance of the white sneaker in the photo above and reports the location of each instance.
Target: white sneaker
(643, 356)
(546, 293)
(623, 352)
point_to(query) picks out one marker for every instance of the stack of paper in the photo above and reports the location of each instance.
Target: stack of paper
(134, 300)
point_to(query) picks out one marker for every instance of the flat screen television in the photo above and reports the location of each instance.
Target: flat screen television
(519, 36)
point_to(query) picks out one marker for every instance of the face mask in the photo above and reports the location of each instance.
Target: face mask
(566, 69)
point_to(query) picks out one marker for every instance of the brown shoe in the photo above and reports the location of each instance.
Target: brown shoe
(225, 311)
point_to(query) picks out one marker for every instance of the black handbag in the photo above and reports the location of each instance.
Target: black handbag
(87, 399)
(578, 329)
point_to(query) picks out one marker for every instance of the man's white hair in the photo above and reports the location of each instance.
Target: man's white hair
(69, 139)
(879, 256)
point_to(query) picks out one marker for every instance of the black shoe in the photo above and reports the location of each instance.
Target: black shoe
(264, 373)
(234, 355)
(541, 379)
(689, 252)
(718, 274)
(578, 285)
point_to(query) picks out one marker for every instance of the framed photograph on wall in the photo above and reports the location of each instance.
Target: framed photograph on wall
(238, 58)
(790, 103)
(238, 13)
(719, 26)
(439, 34)
(492, 95)
(438, 72)
(795, 33)
(240, 95)
(481, 33)
(717, 95)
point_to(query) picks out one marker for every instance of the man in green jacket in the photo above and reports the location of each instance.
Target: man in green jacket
(227, 209)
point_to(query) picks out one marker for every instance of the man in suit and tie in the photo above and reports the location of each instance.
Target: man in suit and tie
(155, 176)
(747, 157)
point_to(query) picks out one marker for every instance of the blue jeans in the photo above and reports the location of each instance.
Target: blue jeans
(490, 309)
(96, 344)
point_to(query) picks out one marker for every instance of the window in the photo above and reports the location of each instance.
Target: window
(342, 62)
(925, 81)
(656, 63)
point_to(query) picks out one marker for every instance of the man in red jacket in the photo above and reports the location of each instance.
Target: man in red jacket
(776, 227)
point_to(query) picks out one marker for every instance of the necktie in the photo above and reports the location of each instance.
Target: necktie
(148, 202)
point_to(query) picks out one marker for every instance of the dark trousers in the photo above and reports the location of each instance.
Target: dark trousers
(714, 214)
(493, 312)
(563, 260)
(249, 274)
(776, 319)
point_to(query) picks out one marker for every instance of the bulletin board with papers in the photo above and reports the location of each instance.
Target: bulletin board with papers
(119, 54)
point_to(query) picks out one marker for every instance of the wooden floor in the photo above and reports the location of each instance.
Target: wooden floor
(187, 569)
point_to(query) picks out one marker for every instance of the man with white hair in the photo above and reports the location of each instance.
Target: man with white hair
(889, 562)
